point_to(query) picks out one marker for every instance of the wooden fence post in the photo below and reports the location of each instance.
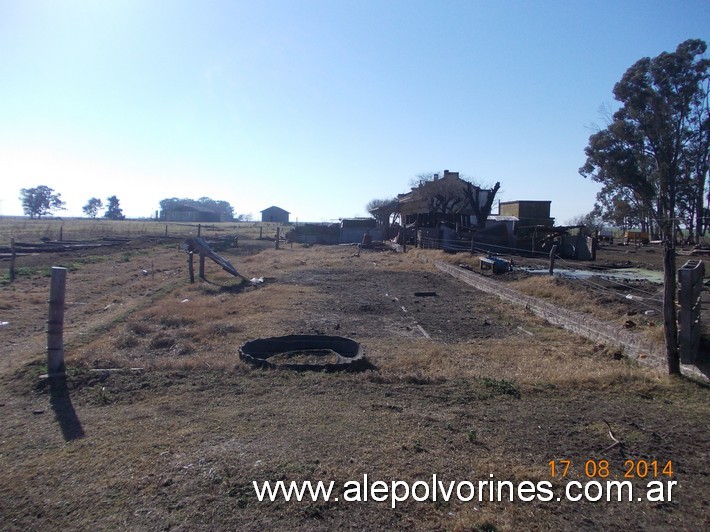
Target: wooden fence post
(166, 229)
(13, 254)
(278, 237)
(199, 230)
(191, 266)
(690, 279)
(55, 323)
(202, 266)
(553, 252)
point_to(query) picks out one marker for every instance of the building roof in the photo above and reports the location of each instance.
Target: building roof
(417, 199)
(358, 223)
(275, 208)
(524, 201)
(503, 218)
(193, 208)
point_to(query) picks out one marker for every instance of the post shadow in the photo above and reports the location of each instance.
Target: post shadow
(63, 409)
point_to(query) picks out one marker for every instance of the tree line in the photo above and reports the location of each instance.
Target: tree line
(225, 210)
(42, 200)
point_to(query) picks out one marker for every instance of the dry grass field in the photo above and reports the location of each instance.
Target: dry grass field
(176, 433)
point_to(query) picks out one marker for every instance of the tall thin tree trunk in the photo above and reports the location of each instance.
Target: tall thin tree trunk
(700, 199)
(670, 323)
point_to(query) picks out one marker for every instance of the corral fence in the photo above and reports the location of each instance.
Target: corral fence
(77, 229)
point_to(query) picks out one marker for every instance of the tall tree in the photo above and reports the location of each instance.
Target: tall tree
(648, 148)
(92, 207)
(481, 201)
(697, 157)
(621, 208)
(382, 209)
(113, 209)
(39, 201)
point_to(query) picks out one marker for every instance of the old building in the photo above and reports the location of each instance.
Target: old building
(440, 200)
(529, 213)
(275, 214)
(190, 213)
(353, 229)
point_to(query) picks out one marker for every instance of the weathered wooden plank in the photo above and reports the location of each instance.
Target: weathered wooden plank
(199, 244)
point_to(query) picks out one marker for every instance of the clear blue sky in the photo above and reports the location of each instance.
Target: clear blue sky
(314, 106)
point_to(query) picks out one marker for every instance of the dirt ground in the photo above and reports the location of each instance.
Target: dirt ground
(459, 385)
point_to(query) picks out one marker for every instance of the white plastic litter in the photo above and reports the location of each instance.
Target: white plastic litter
(256, 280)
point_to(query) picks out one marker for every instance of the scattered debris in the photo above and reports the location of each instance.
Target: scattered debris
(421, 329)
(496, 264)
(613, 438)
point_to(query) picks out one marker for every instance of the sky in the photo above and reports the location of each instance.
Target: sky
(315, 106)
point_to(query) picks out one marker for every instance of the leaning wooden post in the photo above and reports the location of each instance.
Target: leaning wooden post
(553, 252)
(13, 254)
(55, 323)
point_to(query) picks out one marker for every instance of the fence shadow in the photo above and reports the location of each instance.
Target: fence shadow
(64, 410)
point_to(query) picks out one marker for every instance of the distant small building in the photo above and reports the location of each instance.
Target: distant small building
(528, 212)
(353, 229)
(275, 214)
(190, 213)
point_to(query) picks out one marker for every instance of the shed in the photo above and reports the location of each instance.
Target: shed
(190, 213)
(353, 229)
(275, 214)
(528, 212)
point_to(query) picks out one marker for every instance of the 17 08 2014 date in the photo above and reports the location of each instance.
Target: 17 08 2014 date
(603, 469)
